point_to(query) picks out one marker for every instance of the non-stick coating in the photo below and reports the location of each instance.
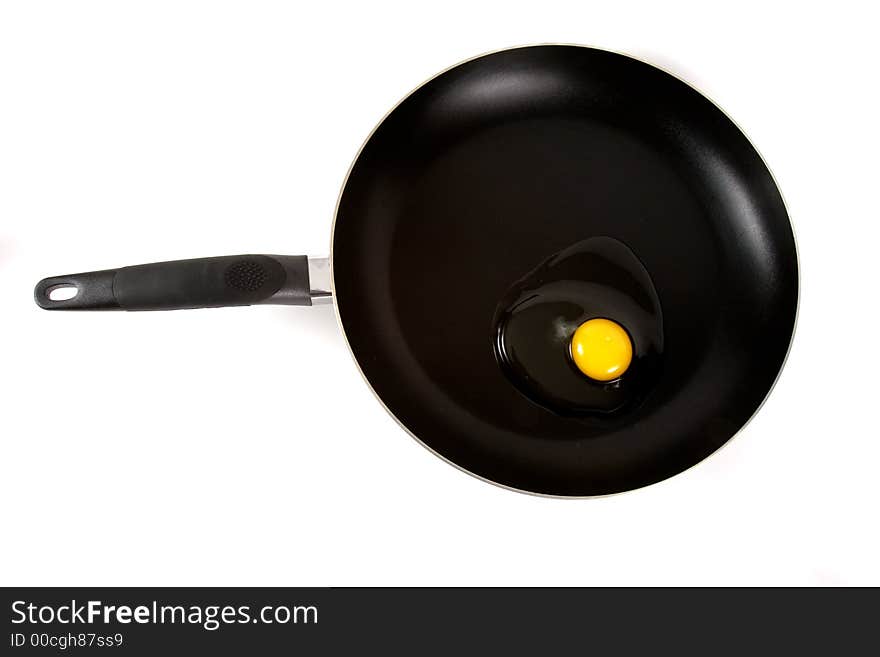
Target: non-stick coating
(494, 165)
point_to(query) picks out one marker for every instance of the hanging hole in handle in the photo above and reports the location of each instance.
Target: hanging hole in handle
(63, 292)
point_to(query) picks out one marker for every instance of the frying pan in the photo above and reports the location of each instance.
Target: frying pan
(470, 181)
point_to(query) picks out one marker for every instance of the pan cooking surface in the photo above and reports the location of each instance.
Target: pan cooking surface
(501, 162)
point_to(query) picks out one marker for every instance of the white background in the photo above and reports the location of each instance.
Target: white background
(240, 446)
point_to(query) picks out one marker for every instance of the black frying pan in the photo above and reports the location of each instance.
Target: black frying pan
(470, 182)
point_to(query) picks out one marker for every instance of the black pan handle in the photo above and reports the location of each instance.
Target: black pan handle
(240, 280)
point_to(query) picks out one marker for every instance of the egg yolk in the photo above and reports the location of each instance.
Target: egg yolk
(601, 349)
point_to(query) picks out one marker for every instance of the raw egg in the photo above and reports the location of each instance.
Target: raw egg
(582, 333)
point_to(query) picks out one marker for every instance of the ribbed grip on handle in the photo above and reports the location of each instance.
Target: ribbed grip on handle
(241, 280)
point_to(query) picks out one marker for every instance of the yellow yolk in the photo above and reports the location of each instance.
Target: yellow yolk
(601, 349)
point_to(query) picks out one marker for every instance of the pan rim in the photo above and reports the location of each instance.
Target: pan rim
(461, 468)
